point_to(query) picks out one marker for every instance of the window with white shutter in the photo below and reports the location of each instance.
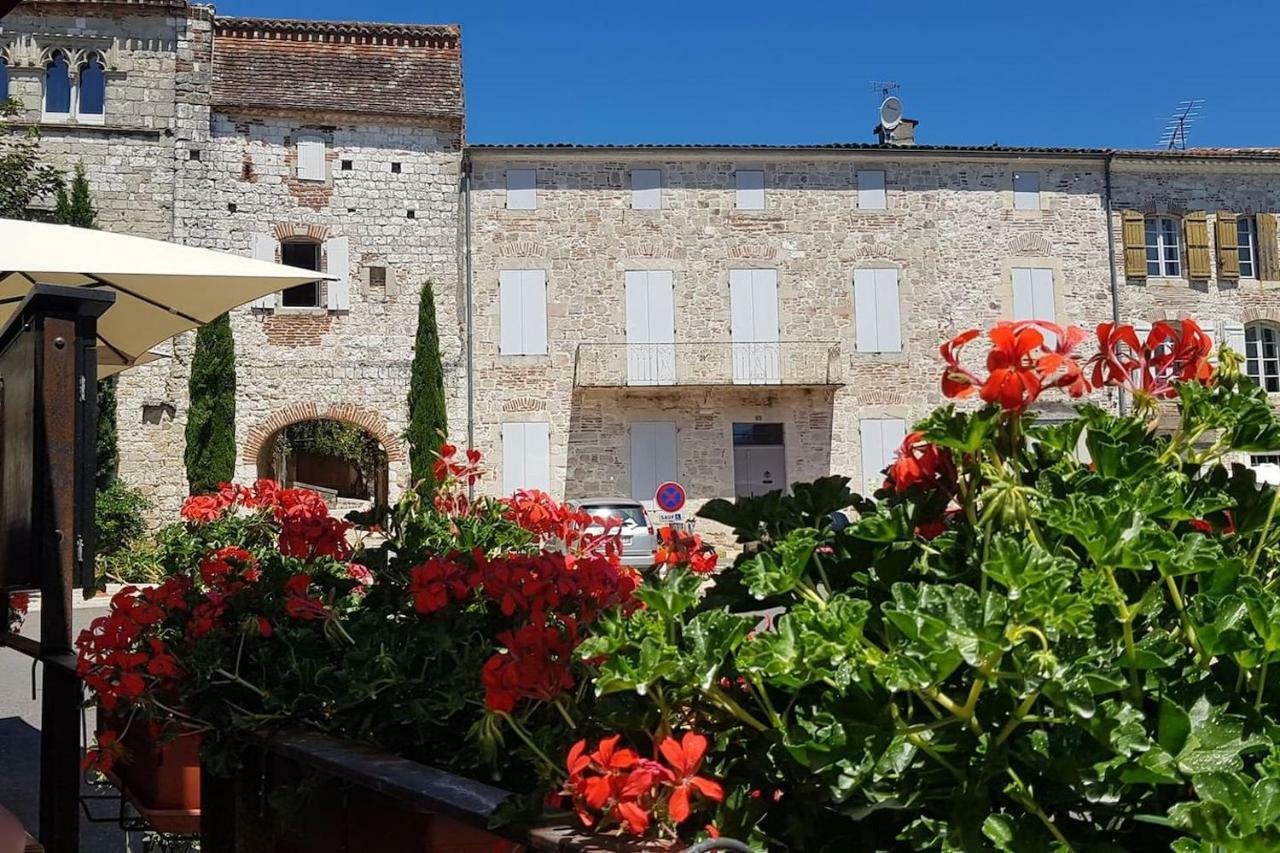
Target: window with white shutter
(337, 253)
(877, 321)
(1026, 190)
(881, 438)
(646, 189)
(526, 456)
(522, 189)
(871, 195)
(651, 324)
(264, 249)
(523, 308)
(653, 457)
(750, 189)
(310, 150)
(1033, 297)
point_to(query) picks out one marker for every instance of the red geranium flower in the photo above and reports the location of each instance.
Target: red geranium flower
(922, 463)
(685, 758)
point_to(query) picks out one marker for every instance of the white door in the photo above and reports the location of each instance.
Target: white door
(653, 458)
(651, 328)
(753, 298)
(1033, 298)
(758, 470)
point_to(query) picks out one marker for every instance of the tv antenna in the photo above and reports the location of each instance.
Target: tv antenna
(885, 87)
(1184, 115)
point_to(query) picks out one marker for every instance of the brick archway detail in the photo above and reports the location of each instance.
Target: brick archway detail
(260, 435)
(1262, 315)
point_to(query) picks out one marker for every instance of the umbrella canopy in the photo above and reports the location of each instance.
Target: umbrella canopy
(162, 289)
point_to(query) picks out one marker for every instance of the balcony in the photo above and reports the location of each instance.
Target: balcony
(605, 365)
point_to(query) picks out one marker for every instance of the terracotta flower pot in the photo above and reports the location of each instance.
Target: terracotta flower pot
(162, 776)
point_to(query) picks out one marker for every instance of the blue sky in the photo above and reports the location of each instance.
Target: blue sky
(1079, 73)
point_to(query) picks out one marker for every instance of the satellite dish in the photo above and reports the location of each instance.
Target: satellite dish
(891, 112)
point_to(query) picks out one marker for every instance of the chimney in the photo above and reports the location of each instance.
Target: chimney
(902, 133)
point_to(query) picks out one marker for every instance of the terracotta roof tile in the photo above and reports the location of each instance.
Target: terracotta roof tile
(408, 70)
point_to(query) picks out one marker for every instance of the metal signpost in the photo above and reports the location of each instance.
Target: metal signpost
(48, 422)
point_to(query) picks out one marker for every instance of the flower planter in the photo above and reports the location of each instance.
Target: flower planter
(161, 779)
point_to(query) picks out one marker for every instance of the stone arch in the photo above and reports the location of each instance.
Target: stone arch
(292, 231)
(261, 434)
(1261, 315)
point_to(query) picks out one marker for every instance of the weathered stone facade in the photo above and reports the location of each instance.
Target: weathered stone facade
(187, 151)
(205, 147)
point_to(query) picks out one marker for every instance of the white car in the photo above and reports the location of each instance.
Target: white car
(639, 539)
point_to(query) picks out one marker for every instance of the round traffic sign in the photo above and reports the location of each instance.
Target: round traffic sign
(669, 497)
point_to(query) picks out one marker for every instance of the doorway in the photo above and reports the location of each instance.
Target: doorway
(759, 459)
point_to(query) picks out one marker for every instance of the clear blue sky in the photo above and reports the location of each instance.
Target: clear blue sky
(1071, 72)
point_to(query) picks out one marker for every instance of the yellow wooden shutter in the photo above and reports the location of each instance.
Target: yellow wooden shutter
(1268, 248)
(1135, 243)
(1196, 228)
(1228, 246)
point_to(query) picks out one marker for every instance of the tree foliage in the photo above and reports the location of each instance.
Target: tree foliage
(211, 431)
(76, 207)
(23, 178)
(428, 419)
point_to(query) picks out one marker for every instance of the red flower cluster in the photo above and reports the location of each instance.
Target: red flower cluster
(921, 463)
(677, 548)
(306, 528)
(561, 527)
(299, 603)
(121, 656)
(547, 595)
(1020, 364)
(536, 664)
(1169, 354)
(105, 753)
(612, 786)
(1030, 356)
(19, 603)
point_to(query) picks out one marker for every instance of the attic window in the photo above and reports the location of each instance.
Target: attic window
(412, 214)
(395, 168)
(311, 153)
(377, 278)
(346, 165)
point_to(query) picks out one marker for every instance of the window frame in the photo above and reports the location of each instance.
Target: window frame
(77, 90)
(1161, 266)
(1262, 368)
(743, 194)
(868, 194)
(1247, 245)
(45, 113)
(319, 303)
(1026, 199)
(521, 278)
(310, 138)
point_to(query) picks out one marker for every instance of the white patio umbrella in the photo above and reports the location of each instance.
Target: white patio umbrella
(162, 289)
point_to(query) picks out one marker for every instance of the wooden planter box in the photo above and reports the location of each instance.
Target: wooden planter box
(309, 793)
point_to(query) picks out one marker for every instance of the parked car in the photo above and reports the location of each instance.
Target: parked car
(639, 539)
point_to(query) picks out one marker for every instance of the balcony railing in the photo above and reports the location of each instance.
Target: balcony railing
(606, 365)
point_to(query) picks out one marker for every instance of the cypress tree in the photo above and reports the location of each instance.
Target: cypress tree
(76, 208)
(211, 416)
(428, 420)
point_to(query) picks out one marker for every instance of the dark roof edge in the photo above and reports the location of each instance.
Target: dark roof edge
(1264, 154)
(342, 28)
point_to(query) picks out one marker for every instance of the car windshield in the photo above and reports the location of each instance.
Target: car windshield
(630, 516)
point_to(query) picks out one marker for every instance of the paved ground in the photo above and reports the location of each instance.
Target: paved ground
(20, 744)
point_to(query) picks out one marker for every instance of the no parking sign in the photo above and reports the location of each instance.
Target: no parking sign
(669, 497)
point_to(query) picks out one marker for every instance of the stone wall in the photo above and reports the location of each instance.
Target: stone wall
(950, 230)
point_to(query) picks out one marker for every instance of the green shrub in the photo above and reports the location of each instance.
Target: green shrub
(211, 418)
(428, 420)
(119, 517)
(140, 562)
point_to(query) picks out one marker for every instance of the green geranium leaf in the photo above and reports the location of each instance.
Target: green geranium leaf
(781, 568)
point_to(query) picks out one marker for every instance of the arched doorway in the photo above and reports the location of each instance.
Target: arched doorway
(346, 452)
(335, 458)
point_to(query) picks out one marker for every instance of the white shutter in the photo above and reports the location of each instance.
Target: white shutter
(311, 150)
(750, 189)
(662, 324)
(526, 456)
(337, 252)
(881, 438)
(1232, 334)
(533, 305)
(264, 249)
(1023, 295)
(522, 189)
(640, 370)
(511, 332)
(866, 327)
(653, 457)
(742, 322)
(888, 318)
(646, 189)
(871, 195)
(1026, 190)
(1043, 303)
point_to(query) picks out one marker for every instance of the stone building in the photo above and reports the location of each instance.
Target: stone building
(733, 317)
(328, 145)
